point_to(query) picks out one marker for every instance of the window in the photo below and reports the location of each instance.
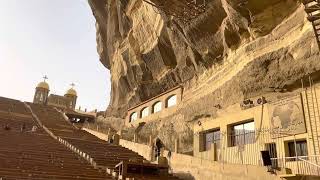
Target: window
(41, 97)
(157, 107)
(302, 148)
(212, 137)
(38, 95)
(242, 134)
(145, 112)
(133, 116)
(172, 100)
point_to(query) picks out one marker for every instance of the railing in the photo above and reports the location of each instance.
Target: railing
(303, 165)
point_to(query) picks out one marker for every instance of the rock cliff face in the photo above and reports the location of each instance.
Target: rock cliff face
(149, 51)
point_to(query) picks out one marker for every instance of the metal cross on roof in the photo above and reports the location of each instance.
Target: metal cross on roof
(45, 78)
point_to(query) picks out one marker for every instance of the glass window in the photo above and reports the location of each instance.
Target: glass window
(242, 134)
(212, 137)
(145, 112)
(172, 101)
(157, 107)
(133, 116)
(302, 149)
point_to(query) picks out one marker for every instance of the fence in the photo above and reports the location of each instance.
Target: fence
(286, 151)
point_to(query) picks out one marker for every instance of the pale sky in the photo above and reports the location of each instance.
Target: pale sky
(56, 38)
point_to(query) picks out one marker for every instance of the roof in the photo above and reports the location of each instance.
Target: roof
(57, 96)
(78, 114)
(72, 92)
(43, 85)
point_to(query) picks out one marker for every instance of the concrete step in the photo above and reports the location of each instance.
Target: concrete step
(308, 1)
(312, 8)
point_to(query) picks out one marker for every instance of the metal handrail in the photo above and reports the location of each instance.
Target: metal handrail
(309, 162)
(297, 156)
(304, 164)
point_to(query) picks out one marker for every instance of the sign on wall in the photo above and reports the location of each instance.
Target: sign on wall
(287, 117)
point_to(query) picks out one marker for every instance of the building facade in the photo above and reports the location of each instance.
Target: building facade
(41, 96)
(288, 129)
(156, 107)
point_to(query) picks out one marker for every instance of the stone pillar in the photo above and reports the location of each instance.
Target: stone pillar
(109, 135)
(164, 104)
(120, 133)
(116, 139)
(198, 144)
(150, 141)
(176, 145)
(201, 142)
(135, 138)
(150, 110)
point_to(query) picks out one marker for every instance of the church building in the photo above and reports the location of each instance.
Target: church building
(66, 103)
(41, 96)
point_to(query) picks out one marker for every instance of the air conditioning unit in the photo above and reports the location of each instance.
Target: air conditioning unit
(246, 104)
(261, 100)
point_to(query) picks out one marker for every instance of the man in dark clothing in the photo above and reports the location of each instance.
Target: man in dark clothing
(158, 147)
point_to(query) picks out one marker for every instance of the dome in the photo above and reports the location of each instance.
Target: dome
(71, 92)
(43, 85)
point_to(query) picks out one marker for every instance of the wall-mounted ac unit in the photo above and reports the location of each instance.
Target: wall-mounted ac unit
(249, 103)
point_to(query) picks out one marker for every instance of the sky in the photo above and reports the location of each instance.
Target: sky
(56, 38)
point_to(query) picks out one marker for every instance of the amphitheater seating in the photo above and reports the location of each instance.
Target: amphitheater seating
(11, 105)
(29, 154)
(37, 155)
(105, 154)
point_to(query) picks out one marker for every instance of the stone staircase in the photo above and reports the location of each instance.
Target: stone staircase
(312, 8)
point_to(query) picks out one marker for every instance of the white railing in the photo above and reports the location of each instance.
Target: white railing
(303, 165)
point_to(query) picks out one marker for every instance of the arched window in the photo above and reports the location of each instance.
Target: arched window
(172, 100)
(133, 116)
(38, 95)
(41, 97)
(157, 107)
(145, 112)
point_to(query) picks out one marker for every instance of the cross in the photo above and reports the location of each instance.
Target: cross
(72, 85)
(45, 78)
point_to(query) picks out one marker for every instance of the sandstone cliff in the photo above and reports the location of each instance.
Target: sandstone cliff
(149, 52)
(235, 49)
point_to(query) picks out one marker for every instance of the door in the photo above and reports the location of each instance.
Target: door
(272, 148)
